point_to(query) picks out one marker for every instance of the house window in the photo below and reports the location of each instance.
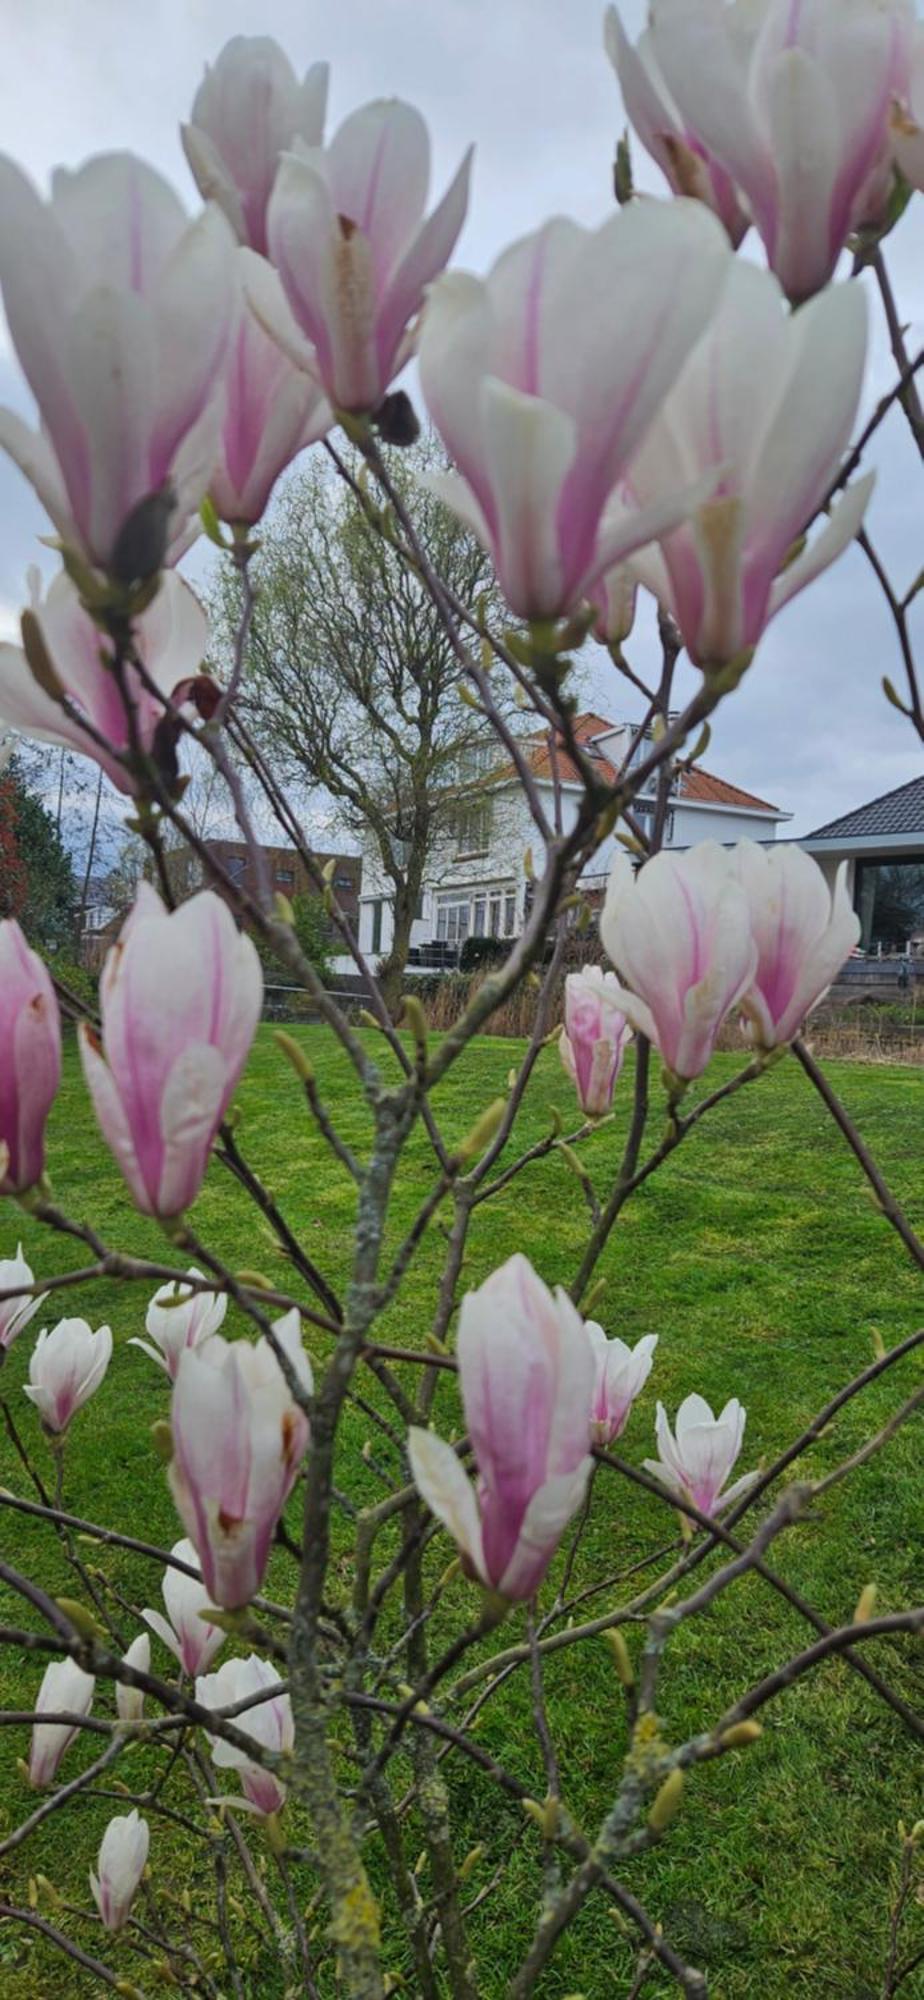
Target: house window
(285, 877)
(644, 810)
(478, 916)
(343, 881)
(494, 916)
(510, 913)
(474, 759)
(377, 924)
(235, 866)
(473, 827)
(452, 920)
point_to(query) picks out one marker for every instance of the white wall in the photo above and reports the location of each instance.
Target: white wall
(512, 834)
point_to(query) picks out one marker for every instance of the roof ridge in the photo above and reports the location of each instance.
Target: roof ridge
(882, 798)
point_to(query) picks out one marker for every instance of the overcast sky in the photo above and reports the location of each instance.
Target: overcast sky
(810, 729)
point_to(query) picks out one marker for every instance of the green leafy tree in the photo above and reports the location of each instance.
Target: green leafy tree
(37, 882)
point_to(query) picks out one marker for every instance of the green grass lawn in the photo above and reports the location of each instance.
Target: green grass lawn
(758, 1259)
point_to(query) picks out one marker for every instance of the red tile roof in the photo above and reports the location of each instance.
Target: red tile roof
(699, 786)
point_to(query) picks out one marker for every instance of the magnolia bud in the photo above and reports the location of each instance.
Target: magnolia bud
(740, 1735)
(667, 1801)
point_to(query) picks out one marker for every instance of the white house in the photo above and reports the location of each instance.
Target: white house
(477, 880)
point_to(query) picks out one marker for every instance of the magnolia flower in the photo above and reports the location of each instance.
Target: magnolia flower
(180, 997)
(171, 637)
(794, 102)
(65, 1690)
(121, 1863)
(120, 311)
(542, 406)
(526, 1370)
(696, 1460)
(238, 1441)
(30, 1060)
(687, 164)
(269, 1722)
(621, 1376)
(348, 237)
(130, 1700)
(724, 573)
(593, 1040)
(248, 110)
(679, 936)
(15, 1313)
(179, 1317)
(66, 1366)
(272, 411)
(908, 118)
(186, 1634)
(803, 931)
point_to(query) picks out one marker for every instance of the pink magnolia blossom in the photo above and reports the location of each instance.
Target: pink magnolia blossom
(30, 1060)
(238, 1441)
(269, 1722)
(803, 931)
(171, 637)
(121, 1863)
(679, 935)
(15, 1313)
(542, 405)
(65, 1690)
(687, 164)
(120, 311)
(179, 1317)
(621, 1376)
(348, 237)
(593, 1040)
(526, 1367)
(180, 998)
(130, 1700)
(695, 1460)
(249, 109)
(724, 572)
(272, 411)
(66, 1367)
(793, 99)
(191, 1639)
(908, 117)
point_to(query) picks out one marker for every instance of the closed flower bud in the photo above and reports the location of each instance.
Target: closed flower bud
(30, 1061)
(130, 1700)
(122, 1858)
(667, 1801)
(594, 1037)
(66, 1690)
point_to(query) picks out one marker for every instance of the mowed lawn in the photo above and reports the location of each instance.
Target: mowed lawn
(759, 1260)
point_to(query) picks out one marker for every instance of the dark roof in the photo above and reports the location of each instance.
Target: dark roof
(901, 811)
